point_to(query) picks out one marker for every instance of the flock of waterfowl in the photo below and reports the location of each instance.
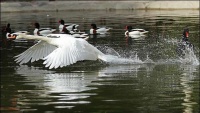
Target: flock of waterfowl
(66, 47)
(72, 29)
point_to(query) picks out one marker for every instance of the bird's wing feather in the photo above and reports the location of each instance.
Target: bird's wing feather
(71, 53)
(34, 53)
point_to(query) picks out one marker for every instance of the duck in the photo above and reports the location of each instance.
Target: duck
(138, 37)
(78, 34)
(58, 50)
(138, 32)
(184, 46)
(71, 29)
(42, 31)
(135, 33)
(13, 34)
(71, 26)
(7, 30)
(66, 28)
(98, 30)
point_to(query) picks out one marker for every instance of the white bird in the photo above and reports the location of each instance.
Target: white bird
(70, 26)
(13, 35)
(42, 31)
(78, 34)
(99, 30)
(138, 32)
(66, 28)
(71, 29)
(135, 33)
(138, 37)
(8, 35)
(58, 50)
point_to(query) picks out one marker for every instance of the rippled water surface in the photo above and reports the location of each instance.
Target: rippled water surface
(149, 77)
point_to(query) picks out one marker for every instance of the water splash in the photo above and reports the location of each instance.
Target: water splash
(172, 41)
(113, 57)
(148, 60)
(189, 58)
(121, 60)
(108, 50)
(185, 52)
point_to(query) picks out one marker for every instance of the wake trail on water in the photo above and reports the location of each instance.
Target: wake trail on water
(120, 60)
(113, 57)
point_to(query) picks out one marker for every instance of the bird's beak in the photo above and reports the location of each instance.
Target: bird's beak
(12, 36)
(187, 34)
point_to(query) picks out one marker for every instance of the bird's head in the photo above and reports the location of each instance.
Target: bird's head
(17, 35)
(62, 21)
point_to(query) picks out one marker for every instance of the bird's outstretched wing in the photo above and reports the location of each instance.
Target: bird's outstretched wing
(36, 52)
(70, 54)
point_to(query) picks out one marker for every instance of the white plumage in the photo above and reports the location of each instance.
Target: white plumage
(44, 31)
(136, 33)
(58, 50)
(100, 30)
(70, 27)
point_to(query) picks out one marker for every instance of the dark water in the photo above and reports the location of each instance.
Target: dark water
(169, 85)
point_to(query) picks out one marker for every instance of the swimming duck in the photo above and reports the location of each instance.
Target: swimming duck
(138, 32)
(135, 33)
(71, 29)
(66, 28)
(98, 30)
(42, 31)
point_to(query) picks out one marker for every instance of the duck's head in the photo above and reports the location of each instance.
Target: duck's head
(62, 21)
(8, 30)
(186, 32)
(37, 25)
(94, 26)
(8, 25)
(129, 28)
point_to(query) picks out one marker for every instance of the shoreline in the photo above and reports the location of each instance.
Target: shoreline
(38, 6)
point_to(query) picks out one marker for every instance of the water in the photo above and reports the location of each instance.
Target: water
(146, 77)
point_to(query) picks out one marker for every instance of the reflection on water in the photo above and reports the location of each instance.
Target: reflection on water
(155, 86)
(119, 70)
(159, 82)
(69, 86)
(186, 79)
